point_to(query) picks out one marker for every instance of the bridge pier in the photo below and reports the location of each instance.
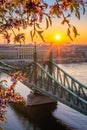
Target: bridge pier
(38, 99)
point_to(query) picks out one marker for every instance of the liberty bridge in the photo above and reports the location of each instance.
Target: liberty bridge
(51, 80)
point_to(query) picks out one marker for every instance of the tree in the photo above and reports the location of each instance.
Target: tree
(15, 14)
(8, 95)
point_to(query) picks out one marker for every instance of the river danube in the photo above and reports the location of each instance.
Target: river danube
(49, 116)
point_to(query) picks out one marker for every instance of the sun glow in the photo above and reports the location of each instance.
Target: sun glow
(58, 37)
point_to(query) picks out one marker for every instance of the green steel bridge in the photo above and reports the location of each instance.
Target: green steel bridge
(60, 86)
(51, 80)
(6, 67)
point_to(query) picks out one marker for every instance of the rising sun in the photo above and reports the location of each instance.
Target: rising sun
(57, 37)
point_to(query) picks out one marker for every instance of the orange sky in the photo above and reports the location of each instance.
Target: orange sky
(57, 28)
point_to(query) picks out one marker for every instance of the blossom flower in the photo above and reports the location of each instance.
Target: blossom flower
(9, 94)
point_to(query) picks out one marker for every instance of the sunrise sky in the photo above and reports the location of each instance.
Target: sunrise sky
(58, 29)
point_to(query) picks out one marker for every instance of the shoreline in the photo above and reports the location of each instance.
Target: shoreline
(25, 62)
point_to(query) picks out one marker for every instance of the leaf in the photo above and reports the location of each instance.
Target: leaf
(31, 35)
(37, 24)
(75, 31)
(49, 18)
(77, 14)
(68, 15)
(83, 10)
(47, 23)
(58, 15)
(40, 34)
(46, 5)
(71, 8)
(68, 33)
(65, 21)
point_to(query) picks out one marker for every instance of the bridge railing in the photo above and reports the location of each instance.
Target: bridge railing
(7, 68)
(48, 85)
(6, 65)
(69, 82)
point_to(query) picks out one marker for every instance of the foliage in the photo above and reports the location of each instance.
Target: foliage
(8, 95)
(15, 14)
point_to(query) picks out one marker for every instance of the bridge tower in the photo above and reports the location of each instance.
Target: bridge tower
(35, 66)
(50, 66)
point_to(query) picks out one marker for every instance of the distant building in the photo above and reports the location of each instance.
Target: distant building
(25, 52)
(43, 51)
(22, 52)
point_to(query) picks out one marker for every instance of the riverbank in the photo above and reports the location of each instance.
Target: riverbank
(25, 62)
(70, 60)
